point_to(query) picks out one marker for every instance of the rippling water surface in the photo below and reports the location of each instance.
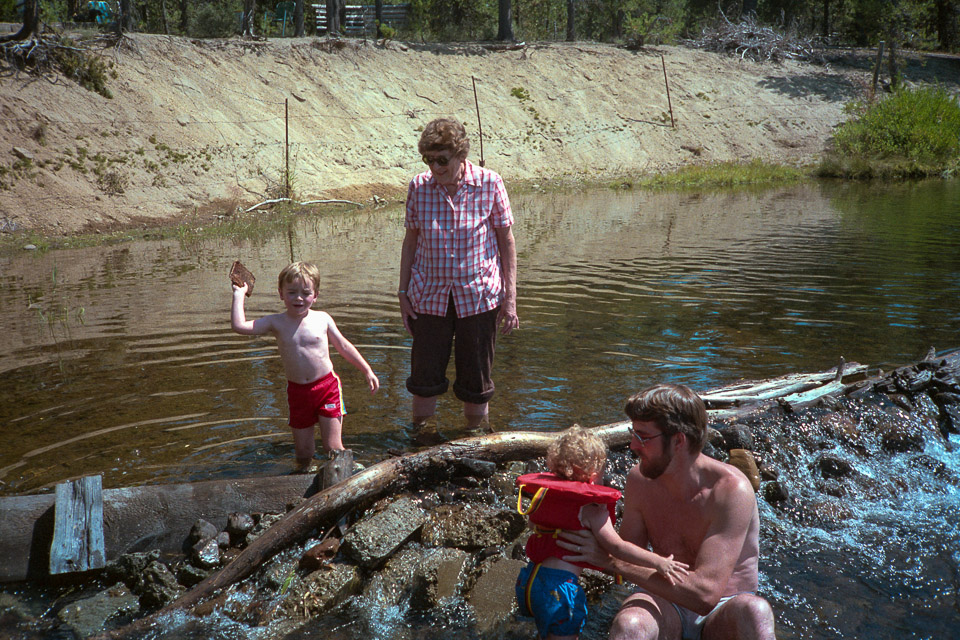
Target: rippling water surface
(120, 359)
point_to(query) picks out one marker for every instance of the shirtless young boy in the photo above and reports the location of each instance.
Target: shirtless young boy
(548, 587)
(304, 337)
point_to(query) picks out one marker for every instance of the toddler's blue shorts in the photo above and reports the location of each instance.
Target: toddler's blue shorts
(553, 598)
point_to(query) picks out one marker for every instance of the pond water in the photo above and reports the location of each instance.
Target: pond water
(120, 359)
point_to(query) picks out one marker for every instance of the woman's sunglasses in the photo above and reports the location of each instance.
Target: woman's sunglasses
(438, 160)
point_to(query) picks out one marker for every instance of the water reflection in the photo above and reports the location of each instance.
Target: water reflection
(120, 360)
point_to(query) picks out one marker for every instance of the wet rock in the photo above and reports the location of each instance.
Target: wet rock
(206, 553)
(419, 576)
(129, 567)
(949, 419)
(440, 575)
(736, 436)
(844, 428)
(715, 438)
(391, 585)
(322, 590)
(832, 466)
(901, 401)
(201, 531)
(319, 554)
(280, 570)
(189, 575)
(89, 616)
(828, 511)
(503, 484)
(476, 468)
(238, 526)
(832, 487)
(157, 586)
(472, 527)
(899, 437)
(744, 460)
(714, 452)
(492, 596)
(265, 522)
(775, 492)
(376, 537)
(768, 473)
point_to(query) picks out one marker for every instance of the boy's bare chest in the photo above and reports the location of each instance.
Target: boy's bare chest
(305, 335)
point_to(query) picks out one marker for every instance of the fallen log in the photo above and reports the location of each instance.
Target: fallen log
(328, 506)
(137, 518)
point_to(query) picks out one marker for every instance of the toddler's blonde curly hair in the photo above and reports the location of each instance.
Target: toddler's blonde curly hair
(577, 454)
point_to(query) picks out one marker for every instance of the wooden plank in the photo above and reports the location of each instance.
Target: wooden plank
(78, 526)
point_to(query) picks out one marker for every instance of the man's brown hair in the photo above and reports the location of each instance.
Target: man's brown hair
(675, 408)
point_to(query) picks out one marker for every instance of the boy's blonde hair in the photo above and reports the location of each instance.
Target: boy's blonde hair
(306, 271)
(577, 454)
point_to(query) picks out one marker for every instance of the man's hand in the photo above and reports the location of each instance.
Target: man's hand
(586, 548)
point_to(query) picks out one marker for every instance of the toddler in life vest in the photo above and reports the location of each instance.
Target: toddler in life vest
(548, 588)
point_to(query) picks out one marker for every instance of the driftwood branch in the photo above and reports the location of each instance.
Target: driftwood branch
(276, 200)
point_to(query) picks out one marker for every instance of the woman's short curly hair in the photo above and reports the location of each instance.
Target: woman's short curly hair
(444, 134)
(577, 454)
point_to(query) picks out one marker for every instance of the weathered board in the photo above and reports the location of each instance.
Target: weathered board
(78, 526)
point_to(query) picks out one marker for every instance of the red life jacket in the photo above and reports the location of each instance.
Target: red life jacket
(556, 506)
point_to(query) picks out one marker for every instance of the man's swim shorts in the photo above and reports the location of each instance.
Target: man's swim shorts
(308, 402)
(554, 598)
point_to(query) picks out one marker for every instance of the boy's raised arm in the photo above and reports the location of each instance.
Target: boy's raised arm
(238, 316)
(350, 353)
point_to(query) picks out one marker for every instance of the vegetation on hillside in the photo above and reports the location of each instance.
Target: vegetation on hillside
(916, 24)
(909, 133)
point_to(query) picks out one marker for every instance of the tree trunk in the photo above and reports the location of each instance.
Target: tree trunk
(749, 7)
(31, 23)
(948, 13)
(125, 21)
(184, 17)
(298, 19)
(505, 30)
(378, 16)
(571, 16)
(249, 10)
(333, 18)
(163, 17)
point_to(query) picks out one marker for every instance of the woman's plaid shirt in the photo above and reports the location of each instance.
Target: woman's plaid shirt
(457, 249)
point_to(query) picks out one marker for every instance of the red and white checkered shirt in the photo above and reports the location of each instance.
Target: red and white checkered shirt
(457, 249)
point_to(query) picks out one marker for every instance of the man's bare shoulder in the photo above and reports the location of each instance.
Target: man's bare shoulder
(727, 484)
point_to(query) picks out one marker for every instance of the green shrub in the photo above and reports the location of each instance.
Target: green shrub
(88, 69)
(912, 132)
(216, 20)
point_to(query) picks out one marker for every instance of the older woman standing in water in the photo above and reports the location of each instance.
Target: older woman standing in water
(458, 270)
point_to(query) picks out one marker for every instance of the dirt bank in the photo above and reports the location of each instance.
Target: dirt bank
(193, 122)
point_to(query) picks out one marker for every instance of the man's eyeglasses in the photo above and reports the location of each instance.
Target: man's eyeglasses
(643, 440)
(438, 160)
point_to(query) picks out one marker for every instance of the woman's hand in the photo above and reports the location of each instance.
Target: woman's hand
(406, 310)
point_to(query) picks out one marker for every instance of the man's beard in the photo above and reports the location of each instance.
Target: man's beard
(653, 468)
